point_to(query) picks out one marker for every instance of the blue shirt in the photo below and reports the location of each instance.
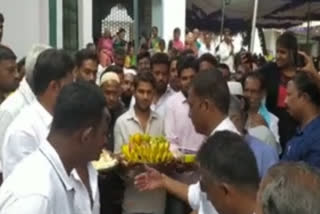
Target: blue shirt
(266, 156)
(305, 145)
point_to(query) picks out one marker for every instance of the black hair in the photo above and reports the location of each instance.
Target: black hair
(305, 83)
(119, 51)
(143, 55)
(176, 30)
(224, 66)
(187, 62)
(21, 63)
(90, 44)
(160, 58)
(288, 41)
(6, 53)
(113, 68)
(121, 30)
(83, 55)
(210, 84)
(228, 158)
(1, 18)
(207, 57)
(144, 77)
(79, 104)
(257, 76)
(162, 42)
(52, 64)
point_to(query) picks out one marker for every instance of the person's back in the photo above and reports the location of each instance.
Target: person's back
(48, 191)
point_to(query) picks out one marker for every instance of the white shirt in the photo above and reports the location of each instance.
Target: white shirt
(198, 199)
(226, 56)
(38, 185)
(161, 105)
(82, 196)
(204, 49)
(11, 107)
(25, 135)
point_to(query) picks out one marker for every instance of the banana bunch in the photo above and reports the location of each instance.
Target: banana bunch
(143, 148)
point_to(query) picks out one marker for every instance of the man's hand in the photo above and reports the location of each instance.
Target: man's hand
(309, 65)
(150, 180)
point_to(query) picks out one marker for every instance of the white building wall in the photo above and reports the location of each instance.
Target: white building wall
(174, 15)
(26, 23)
(157, 15)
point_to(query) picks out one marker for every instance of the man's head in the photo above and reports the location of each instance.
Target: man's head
(287, 50)
(207, 39)
(9, 76)
(224, 68)
(80, 115)
(207, 61)
(162, 45)
(86, 65)
(119, 57)
(229, 172)
(196, 33)
(107, 33)
(227, 35)
(116, 69)
(127, 85)
(254, 89)
(154, 31)
(160, 65)
(176, 33)
(174, 80)
(1, 26)
(289, 188)
(122, 33)
(52, 71)
(303, 94)
(209, 99)
(144, 62)
(144, 90)
(187, 70)
(31, 60)
(110, 85)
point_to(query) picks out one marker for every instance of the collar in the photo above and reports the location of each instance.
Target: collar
(225, 125)
(50, 153)
(309, 126)
(93, 178)
(26, 91)
(182, 97)
(45, 116)
(131, 114)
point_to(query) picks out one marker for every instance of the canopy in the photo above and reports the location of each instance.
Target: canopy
(297, 10)
(207, 14)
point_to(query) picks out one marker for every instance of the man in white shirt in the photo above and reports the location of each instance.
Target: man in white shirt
(140, 119)
(53, 70)
(160, 68)
(207, 46)
(21, 98)
(226, 50)
(42, 182)
(208, 99)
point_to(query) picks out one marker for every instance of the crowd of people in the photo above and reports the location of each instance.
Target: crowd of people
(254, 127)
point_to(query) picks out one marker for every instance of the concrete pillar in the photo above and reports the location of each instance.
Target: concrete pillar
(84, 22)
